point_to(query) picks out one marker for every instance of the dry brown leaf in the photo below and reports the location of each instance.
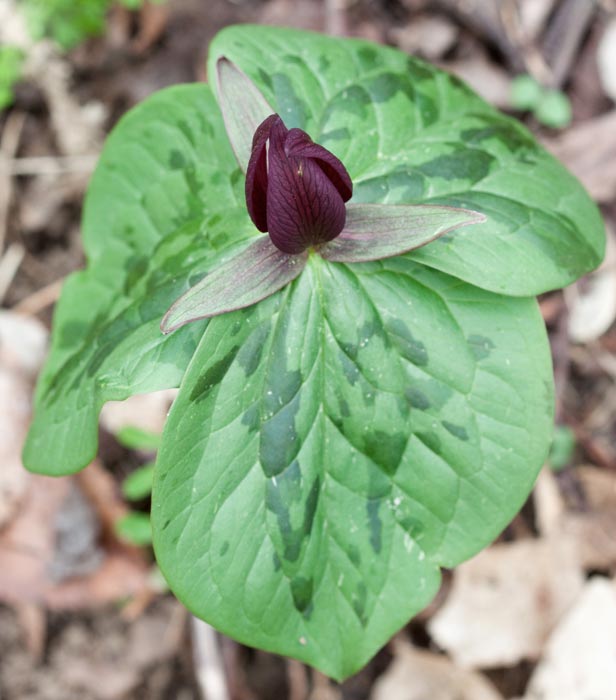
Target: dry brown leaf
(29, 547)
(42, 200)
(505, 602)
(118, 577)
(599, 486)
(33, 625)
(23, 343)
(112, 661)
(298, 13)
(589, 151)
(78, 128)
(594, 530)
(579, 662)
(549, 504)
(592, 300)
(595, 536)
(533, 16)
(415, 674)
(152, 24)
(485, 77)
(14, 420)
(429, 35)
(606, 59)
(27, 543)
(145, 411)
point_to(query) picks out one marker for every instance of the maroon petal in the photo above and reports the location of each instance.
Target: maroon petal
(256, 174)
(300, 144)
(304, 208)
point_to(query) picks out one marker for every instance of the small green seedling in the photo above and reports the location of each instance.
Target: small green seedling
(11, 62)
(563, 446)
(135, 527)
(138, 439)
(138, 484)
(550, 107)
(70, 22)
(347, 291)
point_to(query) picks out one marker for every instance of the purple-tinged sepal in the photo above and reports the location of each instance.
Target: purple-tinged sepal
(376, 231)
(295, 189)
(243, 108)
(252, 275)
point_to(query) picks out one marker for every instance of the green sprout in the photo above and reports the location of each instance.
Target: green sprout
(550, 107)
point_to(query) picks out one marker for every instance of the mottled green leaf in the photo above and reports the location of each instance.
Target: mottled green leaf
(335, 445)
(409, 133)
(166, 201)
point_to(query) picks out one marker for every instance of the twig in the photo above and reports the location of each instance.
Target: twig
(519, 37)
(41, 299)
(9, 265)
(235, 670)
(322, 689)
(33, 623)
(8, 148)
(336, 17)
(52, 165)
(207, 658)
(560, 353)
(100, 489)
(484, 18)
(564, 35)
(596, 449)
(298, 681)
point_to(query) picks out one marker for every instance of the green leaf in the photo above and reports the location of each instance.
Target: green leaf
(135, 528)
(409, 133)
(333, 446)
(158, 215)
(138, 485)
(138, 439)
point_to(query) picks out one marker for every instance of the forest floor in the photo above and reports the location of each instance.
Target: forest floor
(84, 615)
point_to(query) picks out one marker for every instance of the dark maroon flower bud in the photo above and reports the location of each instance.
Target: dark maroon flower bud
(295, 189)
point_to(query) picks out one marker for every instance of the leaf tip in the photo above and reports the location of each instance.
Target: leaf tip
(478, 217)
(222, 64)
(169, 323)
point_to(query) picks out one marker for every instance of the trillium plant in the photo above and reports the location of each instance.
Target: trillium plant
(333, 251)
